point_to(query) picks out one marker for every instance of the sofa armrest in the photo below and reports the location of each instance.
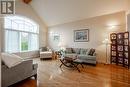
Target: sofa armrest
(23, 68)
(4, 67)
(35, 66)
(23, 64)
(16, 73)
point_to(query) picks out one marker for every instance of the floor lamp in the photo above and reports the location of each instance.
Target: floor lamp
(106, 42)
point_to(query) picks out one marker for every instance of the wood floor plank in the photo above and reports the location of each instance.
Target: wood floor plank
(51, 75)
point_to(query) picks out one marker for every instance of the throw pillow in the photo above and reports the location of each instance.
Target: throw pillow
(44, 49)
(88, 50)
(91, 52)
(76, 50)
(11, 60)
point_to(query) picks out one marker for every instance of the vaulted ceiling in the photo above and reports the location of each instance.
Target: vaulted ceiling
(55, 12)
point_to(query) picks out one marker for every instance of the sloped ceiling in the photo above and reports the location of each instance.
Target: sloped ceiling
(55, 12)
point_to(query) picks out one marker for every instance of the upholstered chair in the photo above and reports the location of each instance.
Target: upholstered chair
(45, 52)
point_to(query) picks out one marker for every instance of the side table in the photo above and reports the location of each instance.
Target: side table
(54, 55)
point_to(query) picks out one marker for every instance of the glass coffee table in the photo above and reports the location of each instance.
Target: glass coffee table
(71, 62)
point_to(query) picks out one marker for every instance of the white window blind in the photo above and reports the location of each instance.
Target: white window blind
(21, 34)
(12, 41)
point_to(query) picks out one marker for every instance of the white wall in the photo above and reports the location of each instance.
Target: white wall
(26, 10)
(128, 7)
(98, 31)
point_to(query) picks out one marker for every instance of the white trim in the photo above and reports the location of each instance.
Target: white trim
(25, 51)
(21, 31)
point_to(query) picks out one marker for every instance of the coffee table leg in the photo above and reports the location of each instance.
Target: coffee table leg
(82, 65)
(61, 65)
(76, 66)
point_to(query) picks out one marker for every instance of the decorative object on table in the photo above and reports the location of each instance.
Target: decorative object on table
(106, 42)
(81, 35)
(54, 55)
(120, 55)
(45, 53)
(57, 54)
(62, 48)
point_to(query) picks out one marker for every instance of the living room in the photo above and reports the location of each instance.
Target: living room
(64, 29)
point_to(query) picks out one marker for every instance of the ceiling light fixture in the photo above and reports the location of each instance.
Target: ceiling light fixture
(27, 1)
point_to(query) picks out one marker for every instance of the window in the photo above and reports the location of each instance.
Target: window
(21, 34)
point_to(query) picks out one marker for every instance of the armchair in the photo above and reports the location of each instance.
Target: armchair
(24, 70)
(45, 53)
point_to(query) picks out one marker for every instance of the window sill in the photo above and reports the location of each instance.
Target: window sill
(26, 51)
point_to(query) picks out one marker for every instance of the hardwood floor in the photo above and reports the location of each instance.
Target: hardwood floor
(51, 75)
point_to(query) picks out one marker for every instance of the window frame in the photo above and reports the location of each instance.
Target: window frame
(19, 34)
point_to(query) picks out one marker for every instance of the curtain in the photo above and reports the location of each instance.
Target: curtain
(12, 41)
(33, 42)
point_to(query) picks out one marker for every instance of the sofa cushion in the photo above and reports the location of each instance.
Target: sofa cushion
(91, 52)
(71, 55)
(83, 51)
(88, 50)
(46, 52)
(76, 50)
(11, 60)
(87, 57)
(43, 49)
(68, 50)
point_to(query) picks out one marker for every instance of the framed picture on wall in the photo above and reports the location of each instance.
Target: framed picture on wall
(56, 38)
(81, 35)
